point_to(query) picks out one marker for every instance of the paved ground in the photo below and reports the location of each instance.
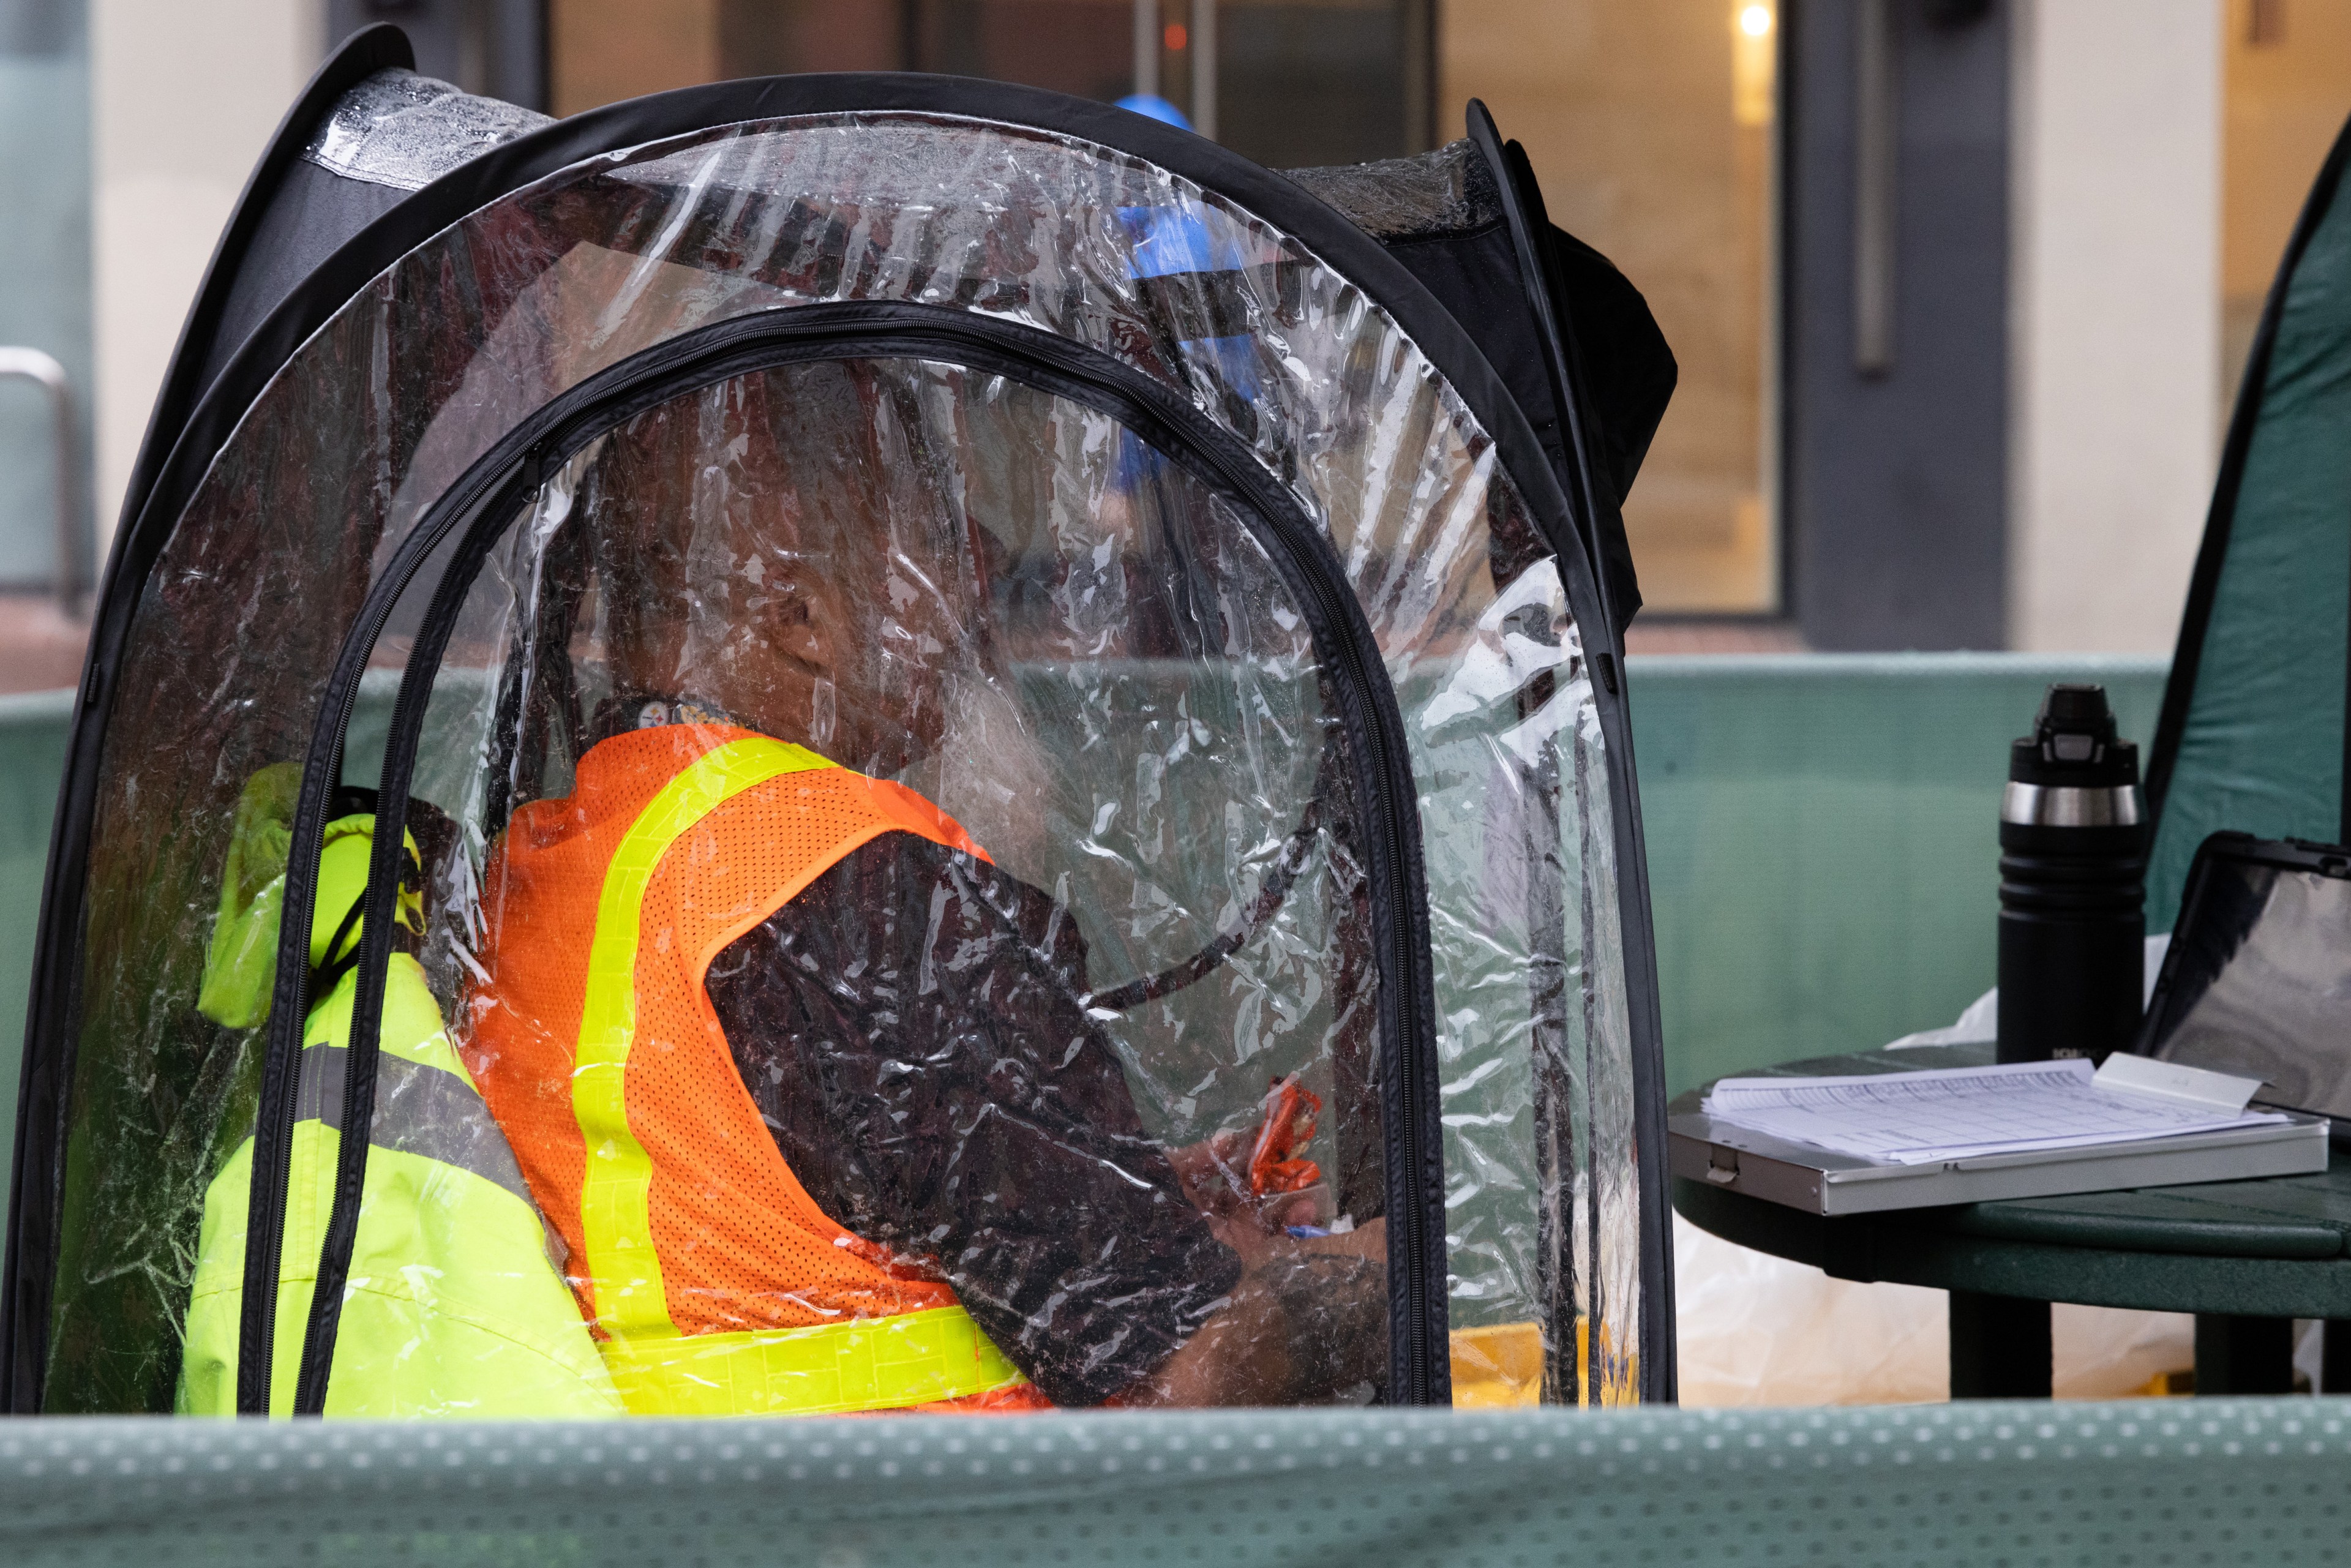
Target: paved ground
(40, 648)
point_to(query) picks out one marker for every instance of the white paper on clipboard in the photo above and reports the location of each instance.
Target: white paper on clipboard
(1963, 1113)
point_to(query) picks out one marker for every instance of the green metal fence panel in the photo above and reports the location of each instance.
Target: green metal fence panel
(1822, 833)
(33, 732)
(2138, 1484)
(1823, 838)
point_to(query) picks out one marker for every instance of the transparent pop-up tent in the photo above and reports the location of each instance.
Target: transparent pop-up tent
(906, 743)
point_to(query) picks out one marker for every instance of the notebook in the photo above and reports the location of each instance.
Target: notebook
(1968, 1113)
(1957, 1129)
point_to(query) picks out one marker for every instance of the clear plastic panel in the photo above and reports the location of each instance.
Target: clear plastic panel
(387, 403)
(406, 131)
(1055, 648)
(1533, 1032)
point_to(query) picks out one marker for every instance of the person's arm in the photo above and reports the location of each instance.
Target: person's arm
(1308, 1319)
(914, 1028)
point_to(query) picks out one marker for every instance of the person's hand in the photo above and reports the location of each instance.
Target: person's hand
(1368, 1241)
(1214, 1174)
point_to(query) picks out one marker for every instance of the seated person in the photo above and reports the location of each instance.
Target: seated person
(807, 1082)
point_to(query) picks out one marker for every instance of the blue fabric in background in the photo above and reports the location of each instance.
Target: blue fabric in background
(1151, 106)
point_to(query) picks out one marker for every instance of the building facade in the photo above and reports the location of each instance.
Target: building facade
(1958, 288)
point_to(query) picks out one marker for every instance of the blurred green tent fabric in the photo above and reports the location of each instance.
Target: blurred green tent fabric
(2253, 734)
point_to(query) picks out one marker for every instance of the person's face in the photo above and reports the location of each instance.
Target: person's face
(787, 589)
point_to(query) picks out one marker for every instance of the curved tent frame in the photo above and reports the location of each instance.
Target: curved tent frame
(1575, 519)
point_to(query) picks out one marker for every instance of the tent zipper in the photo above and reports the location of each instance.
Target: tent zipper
(266, 1203)
(1387, 761)
(1393, 776)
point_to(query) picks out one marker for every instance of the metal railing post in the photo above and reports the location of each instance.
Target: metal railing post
(1876, 173)
(1146, 48)
(1204, 67)
(34, 365)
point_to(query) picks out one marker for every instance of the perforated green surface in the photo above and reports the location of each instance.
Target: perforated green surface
(2145, 1483)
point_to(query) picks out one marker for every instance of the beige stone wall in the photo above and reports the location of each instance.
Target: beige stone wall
(184, 98)
(1629, 114)
(2115, 349)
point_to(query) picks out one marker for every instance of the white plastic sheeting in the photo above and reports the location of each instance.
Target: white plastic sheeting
(1759, 1330)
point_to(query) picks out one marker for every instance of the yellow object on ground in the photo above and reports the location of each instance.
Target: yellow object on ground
(1501, 1366)
(1498, 1366)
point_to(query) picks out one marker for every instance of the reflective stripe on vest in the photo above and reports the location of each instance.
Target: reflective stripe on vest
(615, 1199)
(862, 1364)
(421, 1110)
(867, 1363)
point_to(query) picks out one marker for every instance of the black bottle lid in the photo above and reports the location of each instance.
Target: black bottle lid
(2074, 744)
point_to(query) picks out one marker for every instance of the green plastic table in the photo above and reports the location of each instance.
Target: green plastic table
(2246, 1256)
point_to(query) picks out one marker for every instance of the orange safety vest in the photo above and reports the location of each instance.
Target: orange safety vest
(714, 1284)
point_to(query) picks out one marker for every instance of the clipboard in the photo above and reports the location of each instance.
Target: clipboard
(1801, 1177)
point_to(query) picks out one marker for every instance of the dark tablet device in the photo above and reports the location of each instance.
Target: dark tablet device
(2257, 981)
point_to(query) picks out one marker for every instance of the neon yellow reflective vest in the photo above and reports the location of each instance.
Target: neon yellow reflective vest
(454, 1306)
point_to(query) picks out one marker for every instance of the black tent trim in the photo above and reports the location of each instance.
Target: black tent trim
(1528, 223)
(483, 503)
(372, 49)
(1538, 265)
(2212, 555)
(150, 516)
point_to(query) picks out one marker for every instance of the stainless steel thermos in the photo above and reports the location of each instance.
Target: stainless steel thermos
(2073, 859)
